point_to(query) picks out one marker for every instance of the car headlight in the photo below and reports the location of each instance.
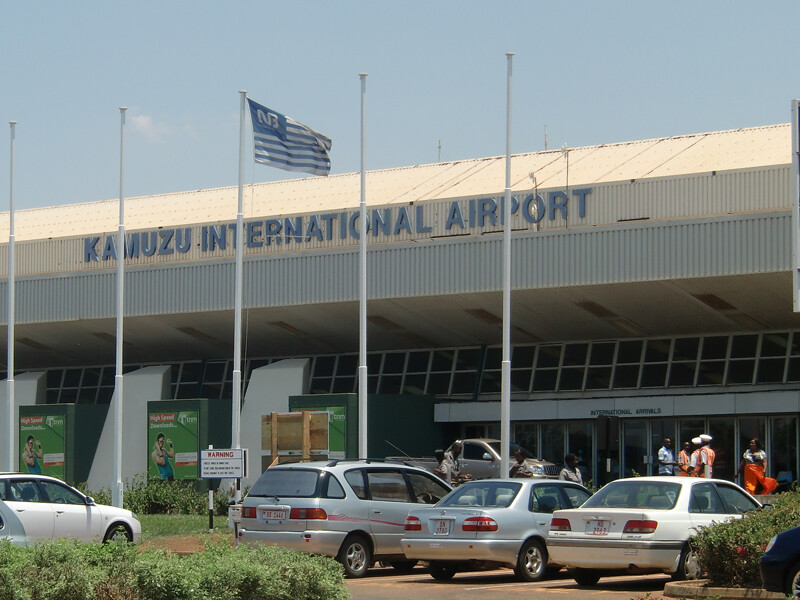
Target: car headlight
(771, 544)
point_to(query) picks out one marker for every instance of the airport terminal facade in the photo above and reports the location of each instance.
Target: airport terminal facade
(652, 296)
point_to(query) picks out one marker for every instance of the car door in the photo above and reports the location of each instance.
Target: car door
(477, 461)
(73, 517)
(705, 505)
(389, 503)
(548, 497)
(28, 503)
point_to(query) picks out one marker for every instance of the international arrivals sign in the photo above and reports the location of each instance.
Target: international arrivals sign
(309, 231)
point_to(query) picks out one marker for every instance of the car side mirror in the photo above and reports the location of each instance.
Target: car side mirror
(89, 501)
(487, 456)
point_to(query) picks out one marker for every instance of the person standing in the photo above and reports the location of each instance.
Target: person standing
(451, 458)
(666, 458)
(571, 472)
(442, 470)
(754, 467)
(684, 456)
(694, 459)
(707, 456)
(520, 468)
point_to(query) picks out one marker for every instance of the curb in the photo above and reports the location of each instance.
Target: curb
(700, 589)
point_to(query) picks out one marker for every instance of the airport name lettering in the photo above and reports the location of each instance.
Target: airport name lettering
(460, 217)
(623, 412)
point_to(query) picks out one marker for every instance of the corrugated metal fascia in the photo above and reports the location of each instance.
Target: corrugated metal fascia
(634, 252)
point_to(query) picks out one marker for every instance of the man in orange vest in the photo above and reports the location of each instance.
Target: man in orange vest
(694, 461)
(684, 456)
(707, 456)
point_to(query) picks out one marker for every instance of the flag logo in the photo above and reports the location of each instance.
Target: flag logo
(282, 142)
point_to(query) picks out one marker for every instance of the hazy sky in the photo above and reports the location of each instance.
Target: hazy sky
(592, 71)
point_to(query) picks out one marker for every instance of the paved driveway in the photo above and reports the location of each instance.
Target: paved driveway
(384, 584)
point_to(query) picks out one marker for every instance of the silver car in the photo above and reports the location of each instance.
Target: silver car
(489, 524)
(353, 510)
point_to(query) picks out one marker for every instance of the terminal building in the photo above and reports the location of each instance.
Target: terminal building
(651, 297)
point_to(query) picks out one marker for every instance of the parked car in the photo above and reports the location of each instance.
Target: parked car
(780, 564)
(490, 524)
(38, 507)
(480, 457)
(642, 525)
(353, 510)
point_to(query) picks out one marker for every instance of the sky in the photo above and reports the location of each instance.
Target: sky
(585, 71)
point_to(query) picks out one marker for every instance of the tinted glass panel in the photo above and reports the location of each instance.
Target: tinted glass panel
(686, 349)
(715, 347)
(290, 483)
(522, 356)
(629, 352)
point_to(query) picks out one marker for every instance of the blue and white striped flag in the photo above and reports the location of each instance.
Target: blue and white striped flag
(282, 142)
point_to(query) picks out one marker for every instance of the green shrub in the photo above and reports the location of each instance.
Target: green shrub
(152, 496)
(730, 551)
(70, 570)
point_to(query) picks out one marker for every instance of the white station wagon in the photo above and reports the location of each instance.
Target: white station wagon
(354, 510)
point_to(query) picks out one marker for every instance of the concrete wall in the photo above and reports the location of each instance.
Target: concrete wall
(150, 383)
(29, 389)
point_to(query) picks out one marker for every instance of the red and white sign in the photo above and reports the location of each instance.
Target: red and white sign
(225, 463)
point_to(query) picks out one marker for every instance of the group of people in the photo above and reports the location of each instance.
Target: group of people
(449, 467)
(699, 462)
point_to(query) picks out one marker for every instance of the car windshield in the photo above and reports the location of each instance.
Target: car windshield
(656, 495)
(484, 494)
(287, 483)
(514, 447)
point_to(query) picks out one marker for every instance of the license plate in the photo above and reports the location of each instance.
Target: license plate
(273, 515)
(442, 526)
(597, 528)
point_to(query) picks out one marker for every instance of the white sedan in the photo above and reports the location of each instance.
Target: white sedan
(642, 525)
(38, 507)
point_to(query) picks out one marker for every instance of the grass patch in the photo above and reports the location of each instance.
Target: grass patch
(159, 526)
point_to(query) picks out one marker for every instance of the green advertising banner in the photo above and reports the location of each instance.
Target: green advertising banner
(173, 444)
(337, 420)
(41, 440)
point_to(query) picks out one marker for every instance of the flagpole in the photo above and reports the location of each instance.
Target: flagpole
(362, 291)
(505, 396)
(12, 429)
(236, 404)
(117, 491)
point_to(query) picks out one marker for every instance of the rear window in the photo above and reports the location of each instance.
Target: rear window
(287, 483)
(636, 494)
(484, 494)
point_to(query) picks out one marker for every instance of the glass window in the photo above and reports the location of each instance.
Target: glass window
(467, 358)
(418, 362)
(494, 359)
(414, 384)
(464, 382)
(629, 352)
(657, 351)
(61, 494)
(782, 461)
(439, 383)
(741, 371)
(598, 378)
(548, 356)
(715, 347)
(546, 499)
(335, 489)
(553, 442)
(744, 346)
(571, 378)
(347, 365)
(682, 374)
(521, 380)
(770, 370)
(527, 436)
(685, 349)
(774, 344)
(442, 361)
(575, 354)
(355, 479)
(390, 384)
(522, 357)
(626, 376)
(289, 483)
(323, 366)
(25, 491)
(734, 500)
(602, 353)
(427, 489)
(394, 362)
(387, 486)
(575, 495)
(344, 385)
(544, 380)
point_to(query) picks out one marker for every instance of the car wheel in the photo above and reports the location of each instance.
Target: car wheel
(355, 556)
(585, 576)
(441, 571)
(688, 565)
(531, 561)
(792, 585)
(404, 566)
(118, 532)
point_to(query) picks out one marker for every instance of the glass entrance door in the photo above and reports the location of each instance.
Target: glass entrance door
(636, 449)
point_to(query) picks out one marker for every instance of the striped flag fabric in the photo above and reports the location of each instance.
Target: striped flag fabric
(282, 142)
